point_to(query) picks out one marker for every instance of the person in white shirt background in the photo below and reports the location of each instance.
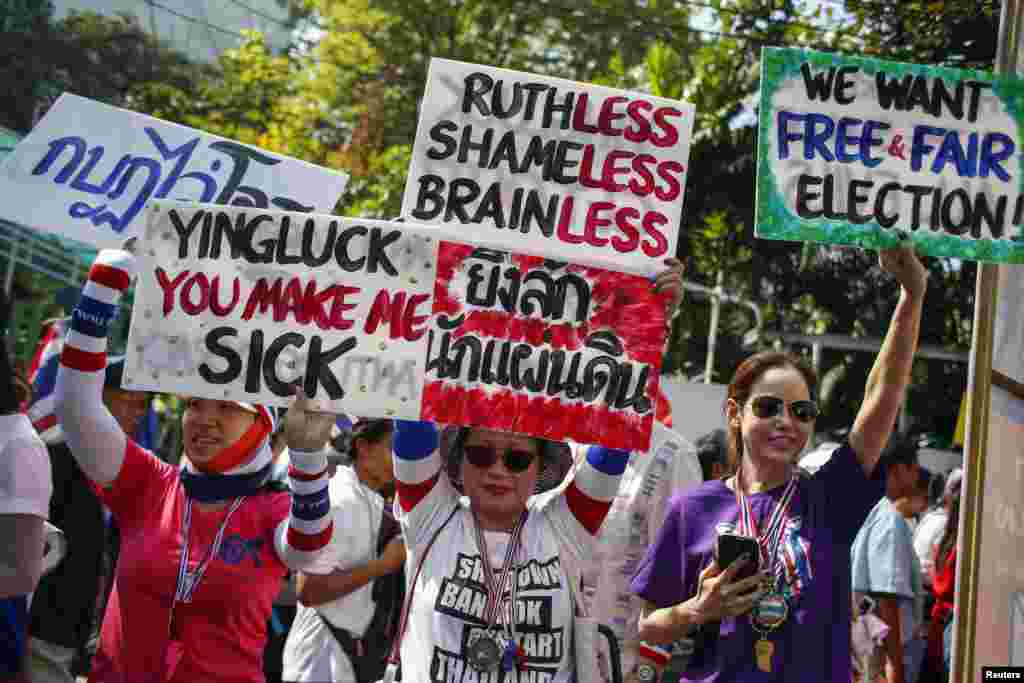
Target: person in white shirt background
(336, 595)
(25, 488)
(636, 514)
(933, 524)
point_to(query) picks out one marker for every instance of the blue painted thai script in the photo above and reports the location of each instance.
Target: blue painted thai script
(138, 178)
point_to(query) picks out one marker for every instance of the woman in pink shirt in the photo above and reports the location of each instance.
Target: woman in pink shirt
(204, 547)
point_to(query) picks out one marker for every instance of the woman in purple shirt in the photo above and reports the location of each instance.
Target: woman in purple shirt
(790, 621)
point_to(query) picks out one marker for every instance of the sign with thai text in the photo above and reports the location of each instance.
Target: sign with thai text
(538, 163)
(87, 170)
(867, 152)
(387, 319)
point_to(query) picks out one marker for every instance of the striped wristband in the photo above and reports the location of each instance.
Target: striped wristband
(85, 348)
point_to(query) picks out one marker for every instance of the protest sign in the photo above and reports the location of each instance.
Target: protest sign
(384, 319)
(867, 152)
(533, 162)
(87, 169)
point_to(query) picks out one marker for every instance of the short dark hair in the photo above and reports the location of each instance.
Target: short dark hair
(712, 448)
(371, 430)
(899, 451)
(924, 480)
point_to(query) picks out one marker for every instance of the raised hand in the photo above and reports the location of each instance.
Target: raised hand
(306, 428)
(903, 264)
(671, 280)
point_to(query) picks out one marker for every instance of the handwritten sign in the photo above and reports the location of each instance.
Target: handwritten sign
(391, 320)
(861, 151)
(87, 170)
(542, 163)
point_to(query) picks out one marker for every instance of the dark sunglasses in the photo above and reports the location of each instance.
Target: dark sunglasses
(772, 406)
(515, 460)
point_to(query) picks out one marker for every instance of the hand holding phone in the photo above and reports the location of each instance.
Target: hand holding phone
(722, 592)
(731, 547)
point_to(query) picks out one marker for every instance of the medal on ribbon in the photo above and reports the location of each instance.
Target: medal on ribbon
(772, 610)
(490, 650)
(484, 653)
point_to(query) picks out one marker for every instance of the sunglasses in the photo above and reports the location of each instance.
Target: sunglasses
(515, 460)
(772, 406)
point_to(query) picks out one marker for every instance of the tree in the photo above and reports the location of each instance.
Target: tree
(810, 288)
(101, 57)
(371, 64)
(957, 33)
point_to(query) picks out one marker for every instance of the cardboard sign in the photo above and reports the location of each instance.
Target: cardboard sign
(385, 319)
(539, 163)
(868, 152)
(87, 170)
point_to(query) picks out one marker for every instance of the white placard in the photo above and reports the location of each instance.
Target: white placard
(87, 170)
(867, 152)
(330, 300)
(538, 163)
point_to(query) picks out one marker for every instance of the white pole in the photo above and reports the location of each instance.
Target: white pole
(716, 306)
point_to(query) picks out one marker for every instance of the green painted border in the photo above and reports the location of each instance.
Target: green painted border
(774, 221)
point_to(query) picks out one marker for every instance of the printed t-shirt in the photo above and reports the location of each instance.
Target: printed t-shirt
(312, 654)
(25, 488)
(814, 643)
(449, 598)
(884, 561)
(223, 630)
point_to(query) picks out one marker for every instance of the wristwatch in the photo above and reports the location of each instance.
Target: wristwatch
(646, 672)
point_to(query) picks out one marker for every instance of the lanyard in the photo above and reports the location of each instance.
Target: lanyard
(769, 540)
(189, 581)
(495, 587)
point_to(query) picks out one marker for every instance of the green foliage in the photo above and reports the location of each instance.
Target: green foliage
(960, 33)
(96, 56)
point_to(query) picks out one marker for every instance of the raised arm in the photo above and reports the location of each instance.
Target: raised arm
(890, 375)
(93, 435)
(303, 538)
(594, 485)
(417, 461)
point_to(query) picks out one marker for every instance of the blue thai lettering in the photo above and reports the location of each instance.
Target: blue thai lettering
(183, 154)
(81, 182)
(100, 215)
(123, 179)
(57, 146)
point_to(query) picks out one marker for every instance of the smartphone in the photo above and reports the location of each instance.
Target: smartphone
(731, 546)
